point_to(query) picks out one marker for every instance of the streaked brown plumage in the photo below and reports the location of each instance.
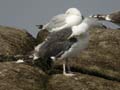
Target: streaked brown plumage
(113, 17)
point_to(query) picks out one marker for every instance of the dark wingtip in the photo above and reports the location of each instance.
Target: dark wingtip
(39, 26)
(73, 39)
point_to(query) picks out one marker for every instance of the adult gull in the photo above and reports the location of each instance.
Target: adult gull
(65, 44)
(71, 17)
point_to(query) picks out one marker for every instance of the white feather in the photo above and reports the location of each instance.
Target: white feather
(20, 61)
(108, 18)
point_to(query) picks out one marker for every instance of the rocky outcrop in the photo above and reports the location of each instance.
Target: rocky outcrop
(96, 68)
(15, 41)
(15, 76)
(81, 82)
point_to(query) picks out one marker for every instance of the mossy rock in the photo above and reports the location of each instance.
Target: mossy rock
(81, 82)
(15, 41)
(14, 76)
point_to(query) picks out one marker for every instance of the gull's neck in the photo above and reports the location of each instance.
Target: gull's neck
(80, 29)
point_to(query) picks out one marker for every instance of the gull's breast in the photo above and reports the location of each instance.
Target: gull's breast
(77, 47)
(73, 20)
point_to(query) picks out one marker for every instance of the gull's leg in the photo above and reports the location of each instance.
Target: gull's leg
(64, 70)
(68, 66)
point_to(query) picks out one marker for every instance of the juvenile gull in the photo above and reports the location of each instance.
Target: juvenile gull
(113, 17)
(65, 44)
(71, 17)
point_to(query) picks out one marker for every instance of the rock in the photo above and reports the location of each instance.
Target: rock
(96, 68)
(15, 76)
(41, 36)
(101, 58)
(15, 41)
(81, 82)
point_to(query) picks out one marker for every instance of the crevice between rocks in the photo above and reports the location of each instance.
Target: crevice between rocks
(91, 72)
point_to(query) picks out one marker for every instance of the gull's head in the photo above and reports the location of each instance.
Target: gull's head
(73, 11)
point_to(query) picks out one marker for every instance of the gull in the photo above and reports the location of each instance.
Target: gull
(65, 44)
(113, 17)
(71, 17)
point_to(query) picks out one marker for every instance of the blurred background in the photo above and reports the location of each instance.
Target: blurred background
(25, 14)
